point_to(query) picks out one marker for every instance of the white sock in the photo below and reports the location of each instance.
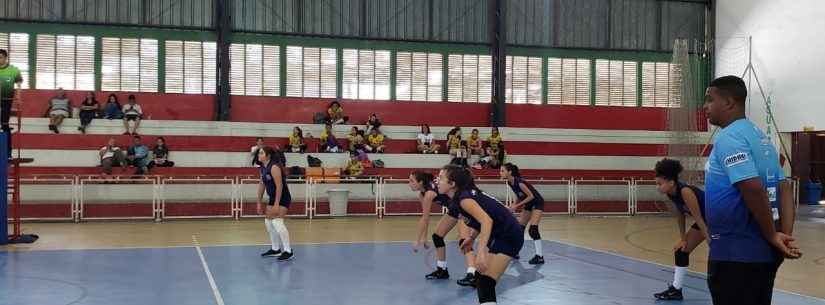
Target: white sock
(273, 234)
(441, 264)
(679, 276)
(471, 270)
(278, 223)
(537, 243)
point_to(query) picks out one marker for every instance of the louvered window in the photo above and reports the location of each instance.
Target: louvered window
(255, 69)
(615, 83)
(190, 67)
(419, 76)
(523, 84)
(129, 64)
(366, 74)
(470, 78)
(568, 81)
(65, 61)
(310, 72)
(17, 44)
(661, 83)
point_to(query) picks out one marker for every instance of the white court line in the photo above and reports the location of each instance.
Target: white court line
(698, 274)
(215, 291)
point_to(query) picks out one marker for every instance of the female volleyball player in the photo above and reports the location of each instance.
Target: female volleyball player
(687, 200)
(500, 237)
(423, 183)
(533, 205)
(273, 180)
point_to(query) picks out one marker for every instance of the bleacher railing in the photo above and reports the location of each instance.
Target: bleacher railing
(90, 197)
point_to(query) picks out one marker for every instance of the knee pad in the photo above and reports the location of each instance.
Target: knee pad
(438, 241)
(534, 232)
(486, 287)
(682, 258)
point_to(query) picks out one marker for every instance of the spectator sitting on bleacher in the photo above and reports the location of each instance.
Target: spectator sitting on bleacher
(138, 156)
(259, 143)
(111, 155)
(454, 141)
(492, 158)
(356, 139)
(89, 109)
(161, 154)
(335, 113)
(296, 141)
(132, 112)
(426, 141)
(328, 141)
(494, 141)
(474, 143)
(375, 141)
(60, 107)
(460, 154)
(373, 123)
(112, 111)
(354, 166)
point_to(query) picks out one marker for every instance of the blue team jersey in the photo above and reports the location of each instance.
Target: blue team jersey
(680, 204)
(740, 152)
(505, 224)
(440, 199)
(516, 188)
(269, 184)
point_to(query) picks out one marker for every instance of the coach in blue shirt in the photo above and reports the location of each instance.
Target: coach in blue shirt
(742, 181)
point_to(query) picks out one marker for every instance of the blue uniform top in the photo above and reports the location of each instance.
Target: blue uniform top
(680, 202)
(740, 152)
(441, 199)
(269, 183)
(504, 223)
(516, 187)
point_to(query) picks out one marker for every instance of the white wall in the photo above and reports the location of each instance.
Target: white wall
(788, 54)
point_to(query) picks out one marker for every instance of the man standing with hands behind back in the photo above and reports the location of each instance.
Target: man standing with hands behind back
(742, 180)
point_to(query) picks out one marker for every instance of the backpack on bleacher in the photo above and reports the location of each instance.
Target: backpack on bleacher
(313, 161)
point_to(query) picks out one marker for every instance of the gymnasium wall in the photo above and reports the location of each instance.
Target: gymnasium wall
(787, 54)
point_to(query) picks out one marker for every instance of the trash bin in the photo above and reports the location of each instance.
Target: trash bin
(814, 191)
(338, 201)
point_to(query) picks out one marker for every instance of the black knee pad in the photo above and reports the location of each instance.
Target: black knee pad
(682, 258)
(438, 241)
(486, 287)
(534, 232)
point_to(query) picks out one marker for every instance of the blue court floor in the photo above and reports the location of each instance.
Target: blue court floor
(355, 273)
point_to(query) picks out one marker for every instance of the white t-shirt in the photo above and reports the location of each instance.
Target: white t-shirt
(109, 153)
(425, 139)
(130, 109)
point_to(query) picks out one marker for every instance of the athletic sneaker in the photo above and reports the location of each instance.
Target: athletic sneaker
(468, 280)
(271, 253)
(536, 260)
(285, 256)
(670, 294)
(438, 274)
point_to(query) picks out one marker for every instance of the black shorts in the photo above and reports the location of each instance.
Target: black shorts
(131, 117)
(285, 202)
(742, 283)
(534, 205)
(508, 244)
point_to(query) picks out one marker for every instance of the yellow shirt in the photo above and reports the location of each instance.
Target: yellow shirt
(494, 141)
(355, 139)
(294, 140)
(335, 113)
(453, 141)
(324, 136)
(376, 140)
(473, 142)
(354, 167)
